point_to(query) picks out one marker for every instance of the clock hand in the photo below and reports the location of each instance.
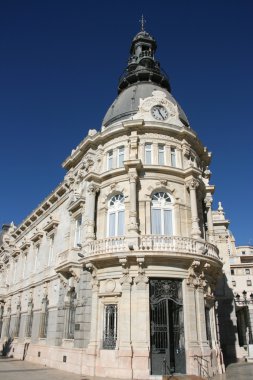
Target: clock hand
(159, 112)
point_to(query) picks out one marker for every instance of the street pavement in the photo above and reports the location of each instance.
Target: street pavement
(13, 369)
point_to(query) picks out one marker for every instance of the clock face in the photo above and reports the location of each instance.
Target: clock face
(159, 112)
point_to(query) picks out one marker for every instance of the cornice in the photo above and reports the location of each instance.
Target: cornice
(53, 200)
(125, 127)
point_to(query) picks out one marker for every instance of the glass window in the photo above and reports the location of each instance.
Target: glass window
(233, 283)
(51, 249)
(110, 159)
(78, 231)
(173, 157)
(243, 252)
(232, 272)
(121, 156)
(247, 271)
(249, 283)
(148, 153)
(116, 215)
(110, 327)
(161, 154)
(161, 214)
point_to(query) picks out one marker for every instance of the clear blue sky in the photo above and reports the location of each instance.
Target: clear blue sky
(59, 66)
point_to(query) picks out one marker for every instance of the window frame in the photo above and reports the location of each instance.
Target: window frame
(119, 155)
(110, 159)
(173, 156)
(150, 151)
(163, 154)
(119, 208)
(162, 206)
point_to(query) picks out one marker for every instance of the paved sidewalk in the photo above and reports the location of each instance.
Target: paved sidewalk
(11, 369)
(237, 371)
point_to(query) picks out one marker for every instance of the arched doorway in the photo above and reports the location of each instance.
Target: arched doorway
(166, 327)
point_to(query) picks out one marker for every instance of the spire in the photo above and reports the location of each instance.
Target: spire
(142, 66)
(142, 21)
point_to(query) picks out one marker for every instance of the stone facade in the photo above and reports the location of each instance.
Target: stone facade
(114, 273)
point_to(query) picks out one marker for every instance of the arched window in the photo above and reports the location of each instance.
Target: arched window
(161, 214)
(116, 216)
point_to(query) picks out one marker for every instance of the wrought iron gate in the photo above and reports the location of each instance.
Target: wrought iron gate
(166, 327)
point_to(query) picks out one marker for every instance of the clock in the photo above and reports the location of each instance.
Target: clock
(159, 112)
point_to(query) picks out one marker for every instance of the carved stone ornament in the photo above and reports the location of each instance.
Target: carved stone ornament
(192, 184)
(75, 273)
(92, 188)
(63, 280)
(157, 98)
(196, 276)
(125, 279)
(93, 271)
(141, 278)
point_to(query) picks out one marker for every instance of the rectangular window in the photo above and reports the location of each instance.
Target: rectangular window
(168, 222)
(111, 224)
(24, 265)
(247, 271)
(121, 156)
(232, 272)
(173, 157)
(110, 327)
(208, 326)
(110, 160)
(161, 154)
(156, 222)
(121, 223)
(233, 283)
(249, 283)
(243, 252)
(78, 231)
(51, 250)
(148, 154)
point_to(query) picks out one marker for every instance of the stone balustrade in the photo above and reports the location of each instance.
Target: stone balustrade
(154, 244)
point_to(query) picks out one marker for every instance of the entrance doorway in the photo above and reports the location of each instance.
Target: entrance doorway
(166, 327)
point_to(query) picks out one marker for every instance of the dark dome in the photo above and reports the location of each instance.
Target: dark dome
(127, 103)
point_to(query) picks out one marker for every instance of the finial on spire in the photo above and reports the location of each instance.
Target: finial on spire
(142, 21)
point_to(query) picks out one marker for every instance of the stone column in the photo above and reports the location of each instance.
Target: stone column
(140, 323)
(124, 326)
(92, 189)
(93, 344)
(193, 185)
(208, 203)
(133, 225)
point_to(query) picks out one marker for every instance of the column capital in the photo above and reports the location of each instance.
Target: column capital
(92, 188)
(192, 184)
(208, 201)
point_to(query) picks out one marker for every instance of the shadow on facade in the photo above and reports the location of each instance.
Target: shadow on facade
(7, 347)
(226, 321)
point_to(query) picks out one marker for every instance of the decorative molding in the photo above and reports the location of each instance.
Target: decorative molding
(125, 279)
(51, 225)
(141, 278)
(76, 205)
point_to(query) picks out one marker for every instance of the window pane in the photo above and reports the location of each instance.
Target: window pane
(148, 154)
(112, 224)
(156, 221)
(121, 156)
(161, 154)
(121, 222)
(173, 157)
(168, 222)
(109, 159)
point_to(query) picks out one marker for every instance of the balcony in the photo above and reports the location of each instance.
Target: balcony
(152, 244)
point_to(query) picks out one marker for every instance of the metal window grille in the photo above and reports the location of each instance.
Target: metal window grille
(110, 327)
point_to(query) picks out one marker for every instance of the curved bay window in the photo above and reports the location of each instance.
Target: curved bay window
(161, 214)
(116, 216)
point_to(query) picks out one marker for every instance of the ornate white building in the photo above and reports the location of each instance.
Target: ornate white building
(114, 273)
